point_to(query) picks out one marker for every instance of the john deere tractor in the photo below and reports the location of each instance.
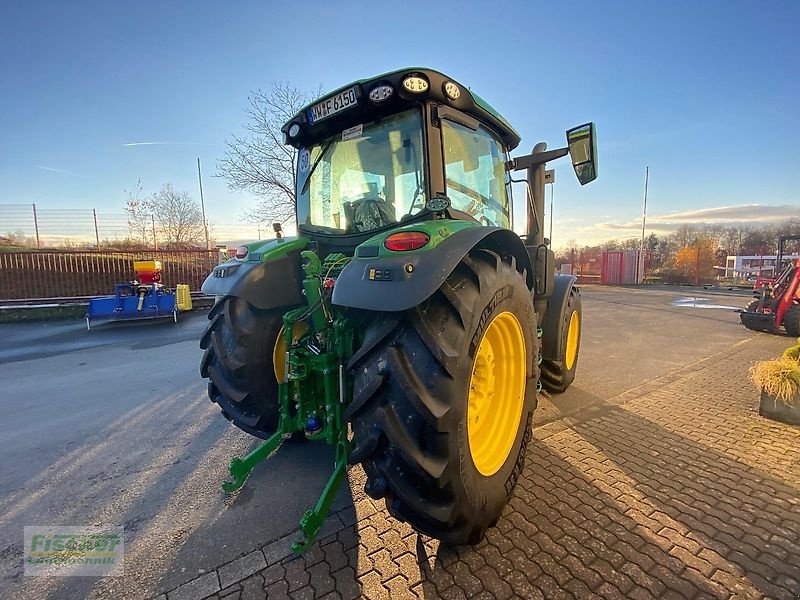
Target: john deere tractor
(406, 323)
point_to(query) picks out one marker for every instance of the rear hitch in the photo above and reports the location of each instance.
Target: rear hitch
(312, 520)
(240, 468)
(313, 392)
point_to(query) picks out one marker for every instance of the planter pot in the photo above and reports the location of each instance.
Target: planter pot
(779, 411)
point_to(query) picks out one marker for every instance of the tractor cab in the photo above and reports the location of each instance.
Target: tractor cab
(376, 153)
(394, 150)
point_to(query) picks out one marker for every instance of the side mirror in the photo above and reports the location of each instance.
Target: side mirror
(582, 142)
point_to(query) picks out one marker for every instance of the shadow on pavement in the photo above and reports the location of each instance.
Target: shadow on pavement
(739, 512)
(277, 492)
(647, 511)
(329, 567)
(163, 486)
(572, 402)
(129, 494)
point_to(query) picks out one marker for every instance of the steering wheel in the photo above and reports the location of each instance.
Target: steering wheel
(369, 214)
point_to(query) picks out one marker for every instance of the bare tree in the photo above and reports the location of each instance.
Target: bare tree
(139, 209)
(18, 238)
(258, 162)
(179, 218)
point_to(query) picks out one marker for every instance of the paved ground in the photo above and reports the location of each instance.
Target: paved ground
(653, 475)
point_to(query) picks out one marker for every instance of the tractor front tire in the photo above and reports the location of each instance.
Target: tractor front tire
(423, 382)
(791, 320)
(558, 375)
(751, 306)
(238, 344)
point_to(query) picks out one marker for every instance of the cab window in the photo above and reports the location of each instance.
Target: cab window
(362, 180)
(475, 173)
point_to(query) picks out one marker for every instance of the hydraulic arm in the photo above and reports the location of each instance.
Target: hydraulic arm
(314, 388)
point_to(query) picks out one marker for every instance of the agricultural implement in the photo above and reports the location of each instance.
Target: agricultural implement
(143, 298)
(777, 302)
(407, 324)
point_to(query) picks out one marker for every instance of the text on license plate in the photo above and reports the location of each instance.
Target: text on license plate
(331, 106)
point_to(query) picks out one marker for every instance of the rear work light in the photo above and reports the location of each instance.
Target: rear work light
(403, 241)
(415, 84)
(381, 93)
(241, 251)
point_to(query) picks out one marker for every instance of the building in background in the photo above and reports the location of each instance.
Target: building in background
(754, 265)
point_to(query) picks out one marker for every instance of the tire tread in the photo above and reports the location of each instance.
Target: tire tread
(237, 360)
(402, 429)
(791, 320)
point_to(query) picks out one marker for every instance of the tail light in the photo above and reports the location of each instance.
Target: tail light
(403, 241)
(241, 251)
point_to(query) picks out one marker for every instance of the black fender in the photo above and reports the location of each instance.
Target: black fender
(268, 284)
(403, 281)
(554, 316)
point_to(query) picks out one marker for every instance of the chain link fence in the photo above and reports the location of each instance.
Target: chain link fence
(28, 226)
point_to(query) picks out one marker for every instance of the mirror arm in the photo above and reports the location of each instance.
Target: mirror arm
(533, 160)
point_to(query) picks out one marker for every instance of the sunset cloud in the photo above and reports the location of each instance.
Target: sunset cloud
(742, 214)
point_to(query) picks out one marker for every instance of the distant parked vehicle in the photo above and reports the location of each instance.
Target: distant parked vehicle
(777, 302)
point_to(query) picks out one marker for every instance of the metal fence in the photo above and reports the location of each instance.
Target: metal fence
(607, 268)
(587, 266)
(65, 274)
(30, 226)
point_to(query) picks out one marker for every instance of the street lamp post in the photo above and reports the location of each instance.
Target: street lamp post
(203, 205)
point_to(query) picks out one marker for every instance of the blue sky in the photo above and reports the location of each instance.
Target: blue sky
(705, 93)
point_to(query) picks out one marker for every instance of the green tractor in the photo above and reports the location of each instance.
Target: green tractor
(406, 324)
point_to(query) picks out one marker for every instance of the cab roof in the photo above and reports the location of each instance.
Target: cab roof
(468, 102)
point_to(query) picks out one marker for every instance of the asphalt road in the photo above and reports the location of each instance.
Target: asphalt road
(113, 427)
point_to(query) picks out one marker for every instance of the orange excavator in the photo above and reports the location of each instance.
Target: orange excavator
(777, 302)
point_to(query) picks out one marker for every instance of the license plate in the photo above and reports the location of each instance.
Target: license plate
(331, 106)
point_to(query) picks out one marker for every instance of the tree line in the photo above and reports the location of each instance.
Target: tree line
(692, 251)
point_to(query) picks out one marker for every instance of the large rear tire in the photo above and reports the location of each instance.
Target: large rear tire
(791, 320)
(558, 375)
(440, 435)
(239, 343)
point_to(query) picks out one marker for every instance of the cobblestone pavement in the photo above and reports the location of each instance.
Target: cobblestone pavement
(677, 489)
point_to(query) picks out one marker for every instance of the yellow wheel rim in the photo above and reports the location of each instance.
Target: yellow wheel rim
(573, 337)
(279, 352)
(496, 393)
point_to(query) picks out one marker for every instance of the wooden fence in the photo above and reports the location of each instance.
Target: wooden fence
(65, 274)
